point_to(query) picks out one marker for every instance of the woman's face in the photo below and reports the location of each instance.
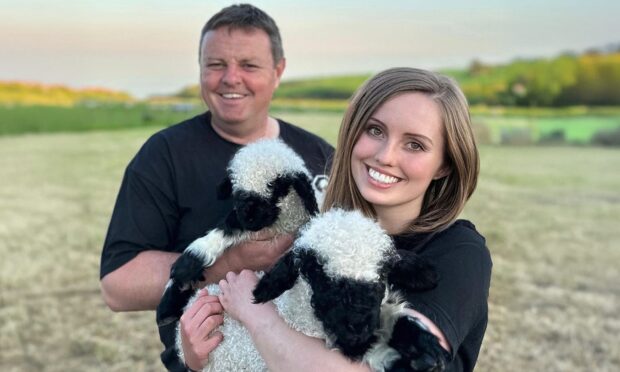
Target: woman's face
(398, 154)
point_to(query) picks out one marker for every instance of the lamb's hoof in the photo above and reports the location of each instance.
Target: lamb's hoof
(419, 349)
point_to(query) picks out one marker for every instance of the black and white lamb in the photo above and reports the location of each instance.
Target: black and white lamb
(271, 190)
(334, 285)
(348, 266)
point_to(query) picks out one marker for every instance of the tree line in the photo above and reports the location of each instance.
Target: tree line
(592, 78)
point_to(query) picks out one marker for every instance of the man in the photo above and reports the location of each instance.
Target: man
(167, 198)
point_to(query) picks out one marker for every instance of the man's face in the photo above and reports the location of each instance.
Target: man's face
(238, 76)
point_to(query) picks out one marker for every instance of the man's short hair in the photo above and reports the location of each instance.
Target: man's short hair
(247, 17)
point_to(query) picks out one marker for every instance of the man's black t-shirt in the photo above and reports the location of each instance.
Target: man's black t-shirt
(168, 197)
(458, 305)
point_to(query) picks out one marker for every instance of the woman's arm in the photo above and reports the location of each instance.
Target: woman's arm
(282, 348)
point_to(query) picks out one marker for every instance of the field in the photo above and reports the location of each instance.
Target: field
(44, 119)
(571, 129)
(550, 215)
(575, 125)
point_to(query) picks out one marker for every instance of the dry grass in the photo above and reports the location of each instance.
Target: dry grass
(550, 216)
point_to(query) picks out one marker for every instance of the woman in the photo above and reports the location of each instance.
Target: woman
(406, 156)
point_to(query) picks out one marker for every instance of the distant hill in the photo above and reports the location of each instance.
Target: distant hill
(323, 88)
(28, 93)
(592, 78)
(334, 87)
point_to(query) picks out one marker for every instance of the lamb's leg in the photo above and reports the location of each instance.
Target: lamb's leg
(172, 303)
(202, 253)
(276, 281)
(187, 271)
(419, 349)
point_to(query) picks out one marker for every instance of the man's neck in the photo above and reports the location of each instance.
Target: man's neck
(270, 128)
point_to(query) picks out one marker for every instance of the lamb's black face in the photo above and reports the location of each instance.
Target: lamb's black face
(253, 211)
(354, 315)
(348, 309)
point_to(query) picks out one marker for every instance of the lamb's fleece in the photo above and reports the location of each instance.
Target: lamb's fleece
(350, 244)
(237, 352)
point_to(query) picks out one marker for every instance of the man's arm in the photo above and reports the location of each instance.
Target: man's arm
(139, 284)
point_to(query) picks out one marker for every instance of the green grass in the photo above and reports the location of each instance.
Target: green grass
(578, 124)
(45, 119)
(550, 215)
(335, 87)
(576, 129)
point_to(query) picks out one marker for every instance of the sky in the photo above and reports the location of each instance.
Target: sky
(150, 47)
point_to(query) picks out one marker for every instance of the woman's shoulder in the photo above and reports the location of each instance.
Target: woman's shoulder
(460, 234)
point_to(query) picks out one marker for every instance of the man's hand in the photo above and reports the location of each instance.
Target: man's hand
(197, 327)
(258, 254)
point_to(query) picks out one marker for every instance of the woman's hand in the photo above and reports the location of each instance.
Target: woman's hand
(237, 299)
(197, 326)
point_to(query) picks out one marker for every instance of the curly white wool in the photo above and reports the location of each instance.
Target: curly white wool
(237, 352)
(253, 166)
(342, 239)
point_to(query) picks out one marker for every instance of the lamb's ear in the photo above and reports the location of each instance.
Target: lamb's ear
(303, 186)
(412, 272)
(279, 279)
(224, 189)
(279, 187)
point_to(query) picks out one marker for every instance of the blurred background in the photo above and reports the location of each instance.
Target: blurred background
(84, 83)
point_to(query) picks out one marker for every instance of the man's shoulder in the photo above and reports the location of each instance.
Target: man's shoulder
(168, 142)
(185, 128)
(192, 133)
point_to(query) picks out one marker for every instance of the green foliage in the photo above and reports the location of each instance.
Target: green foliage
(589, 79)
(567, 80)
(190, 91)
(35, 119)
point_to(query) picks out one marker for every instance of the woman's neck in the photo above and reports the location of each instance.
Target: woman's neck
(393, 220)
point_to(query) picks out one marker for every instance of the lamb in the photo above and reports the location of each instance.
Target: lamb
(271, 190)
(334, 284)
(348, 266)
